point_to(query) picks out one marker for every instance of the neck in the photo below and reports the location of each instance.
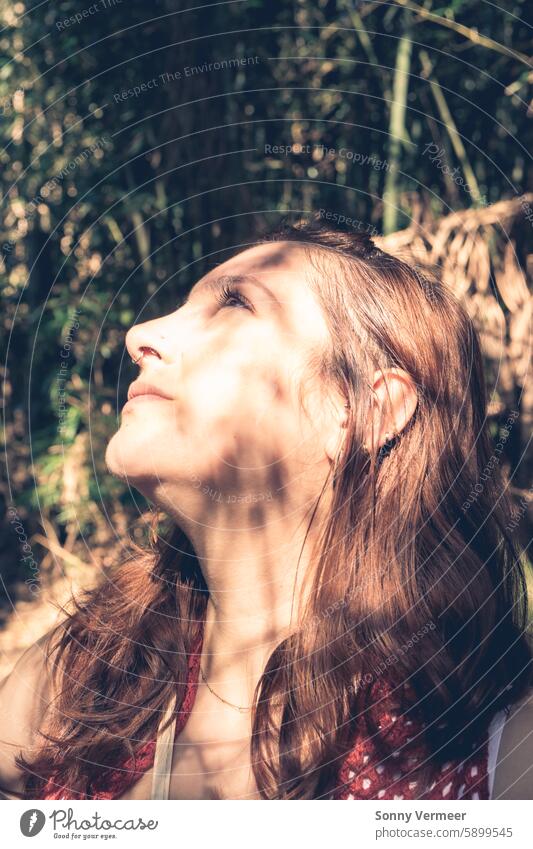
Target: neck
(255, 577)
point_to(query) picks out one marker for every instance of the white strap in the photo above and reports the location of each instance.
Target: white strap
(164, 748)
(495, 735)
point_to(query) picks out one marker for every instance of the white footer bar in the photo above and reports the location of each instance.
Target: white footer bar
(267, 825)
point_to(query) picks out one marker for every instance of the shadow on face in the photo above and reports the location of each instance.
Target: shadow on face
(244, 422)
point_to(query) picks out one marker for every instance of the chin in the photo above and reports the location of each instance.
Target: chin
(127, 461)
(116, 463)
(135, 463)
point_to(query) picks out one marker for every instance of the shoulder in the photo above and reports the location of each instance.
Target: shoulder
(24, 696)
(513, 776)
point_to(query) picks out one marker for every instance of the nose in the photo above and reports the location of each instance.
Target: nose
(146, 340)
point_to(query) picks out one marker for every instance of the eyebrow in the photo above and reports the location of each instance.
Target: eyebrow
(233, 280)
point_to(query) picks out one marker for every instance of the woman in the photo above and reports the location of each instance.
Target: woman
(336, 609)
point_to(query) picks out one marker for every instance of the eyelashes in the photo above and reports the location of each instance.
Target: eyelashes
(228, 294)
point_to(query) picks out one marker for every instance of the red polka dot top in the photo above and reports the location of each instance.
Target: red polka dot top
(362, 774)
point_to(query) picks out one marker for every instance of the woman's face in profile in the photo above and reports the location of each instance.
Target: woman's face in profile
(244, 414)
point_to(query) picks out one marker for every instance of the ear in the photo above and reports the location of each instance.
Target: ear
(394, 401)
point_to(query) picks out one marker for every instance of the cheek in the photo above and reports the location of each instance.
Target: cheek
(234, 396)
(230, 374)
(242, 401)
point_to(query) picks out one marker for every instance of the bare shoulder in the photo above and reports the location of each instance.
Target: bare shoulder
(24, 696)
(513, 777)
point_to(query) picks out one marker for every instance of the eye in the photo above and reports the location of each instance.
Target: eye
(227, 294)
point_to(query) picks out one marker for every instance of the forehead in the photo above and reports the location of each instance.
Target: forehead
(280, 265)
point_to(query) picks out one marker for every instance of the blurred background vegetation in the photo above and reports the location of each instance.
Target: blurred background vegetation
(140, 141)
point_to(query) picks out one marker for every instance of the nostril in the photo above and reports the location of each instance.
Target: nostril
(144, 349)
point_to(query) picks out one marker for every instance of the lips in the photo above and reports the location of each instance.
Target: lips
(139, 387)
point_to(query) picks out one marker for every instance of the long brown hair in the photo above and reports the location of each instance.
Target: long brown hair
(414, 553)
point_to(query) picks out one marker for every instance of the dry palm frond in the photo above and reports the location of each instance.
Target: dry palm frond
(477, 258)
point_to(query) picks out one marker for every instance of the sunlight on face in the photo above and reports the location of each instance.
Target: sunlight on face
(234, 366)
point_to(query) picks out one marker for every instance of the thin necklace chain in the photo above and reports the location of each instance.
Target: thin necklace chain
(237, 707)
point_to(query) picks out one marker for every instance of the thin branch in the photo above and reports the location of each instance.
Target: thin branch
(397, 129)
(449, 123)
(468, 32)
(56, 549)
